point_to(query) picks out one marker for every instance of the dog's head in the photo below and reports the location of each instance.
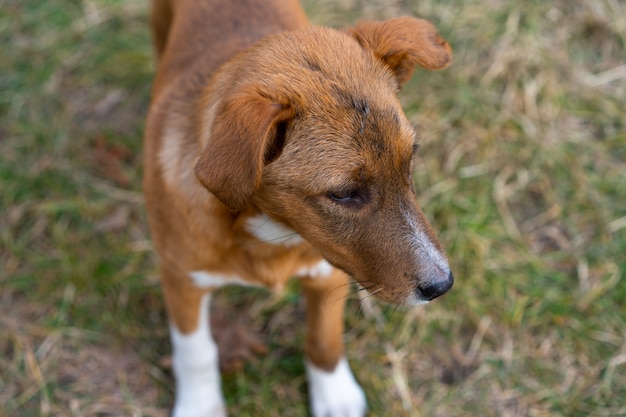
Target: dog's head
(309, 129)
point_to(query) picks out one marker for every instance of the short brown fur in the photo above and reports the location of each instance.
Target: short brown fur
(253, 111)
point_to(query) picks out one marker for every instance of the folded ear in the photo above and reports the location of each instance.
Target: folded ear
(403, 42)
(247, 132)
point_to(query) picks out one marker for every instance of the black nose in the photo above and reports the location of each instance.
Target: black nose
(433, 290)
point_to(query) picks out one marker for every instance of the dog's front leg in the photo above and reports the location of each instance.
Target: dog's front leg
(195, 355)
(332, 388)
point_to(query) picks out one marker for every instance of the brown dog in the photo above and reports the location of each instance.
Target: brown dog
(276, 149)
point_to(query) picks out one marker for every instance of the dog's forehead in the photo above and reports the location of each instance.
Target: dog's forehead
(353, 91)
(342, 95)
(368, 123)
(348, 145)
(386, 137)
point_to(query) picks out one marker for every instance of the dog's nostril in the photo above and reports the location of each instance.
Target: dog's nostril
(433, 290)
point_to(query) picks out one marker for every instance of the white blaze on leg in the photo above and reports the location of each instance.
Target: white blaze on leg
(202, 279)
(195, 362)
(335, 393)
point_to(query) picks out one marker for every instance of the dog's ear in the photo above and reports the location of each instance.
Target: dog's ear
(403, 42)
(247, 132)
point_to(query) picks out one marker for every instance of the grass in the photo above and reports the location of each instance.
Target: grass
(522, 170)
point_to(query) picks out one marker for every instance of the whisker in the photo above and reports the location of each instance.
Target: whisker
(338, 287)
(360, 288)
(259, 233)
(351, 292)
(279, 239)
(284, 238)
(372, 293)
(365, 298)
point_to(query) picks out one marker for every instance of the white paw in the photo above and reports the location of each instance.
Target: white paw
(195, 363)
(205, 408)
(335, 393)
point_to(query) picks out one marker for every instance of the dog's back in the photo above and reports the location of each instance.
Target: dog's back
(213, 31)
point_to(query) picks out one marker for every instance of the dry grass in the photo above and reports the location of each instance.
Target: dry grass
(69, 371)
(522, 169)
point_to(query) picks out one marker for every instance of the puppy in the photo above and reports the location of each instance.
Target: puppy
(275, 149)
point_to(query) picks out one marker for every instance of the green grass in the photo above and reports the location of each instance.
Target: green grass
(522, 169)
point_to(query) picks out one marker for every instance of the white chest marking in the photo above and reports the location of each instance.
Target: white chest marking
(322, 269)
(269, 231)
(195, 362)
(336, 393)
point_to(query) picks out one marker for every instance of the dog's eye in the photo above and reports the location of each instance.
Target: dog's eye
(347, 196)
